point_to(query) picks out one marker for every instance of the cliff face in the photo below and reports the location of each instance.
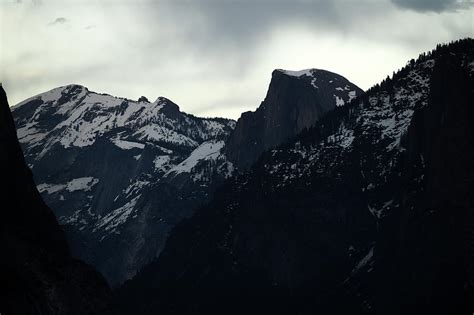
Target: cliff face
(295, 101)
(37, 273)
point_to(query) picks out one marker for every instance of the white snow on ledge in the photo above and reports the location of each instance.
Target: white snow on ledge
(298, 73)
(81, 183)
(206, 151)
(117, 217)
(127, 145)
(50, 188)
(339, 101)
(161, 162)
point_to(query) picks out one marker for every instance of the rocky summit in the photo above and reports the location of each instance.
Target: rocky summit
(295, 101)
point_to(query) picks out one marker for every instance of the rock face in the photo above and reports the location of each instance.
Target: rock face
(37, 273)
(368, 212)
(295, 101)
(119, 174)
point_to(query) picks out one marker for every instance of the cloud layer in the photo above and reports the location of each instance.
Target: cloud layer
(434, 5)
(213, 58)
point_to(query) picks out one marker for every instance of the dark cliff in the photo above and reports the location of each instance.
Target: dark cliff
(425, 261)
(295, 101)
(37, 273)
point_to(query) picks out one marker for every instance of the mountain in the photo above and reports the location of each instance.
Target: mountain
(37, 273)
(368, 212)
(118, 173)
(295, 101)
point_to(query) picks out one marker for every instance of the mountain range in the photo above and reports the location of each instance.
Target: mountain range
(120, 174)
(326, 199)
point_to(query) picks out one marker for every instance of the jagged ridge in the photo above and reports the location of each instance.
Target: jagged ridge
(117, 172)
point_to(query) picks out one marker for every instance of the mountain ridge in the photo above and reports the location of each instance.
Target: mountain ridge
(100, 160)
(342, 218)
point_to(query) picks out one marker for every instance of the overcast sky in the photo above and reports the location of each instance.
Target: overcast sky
(213, 57)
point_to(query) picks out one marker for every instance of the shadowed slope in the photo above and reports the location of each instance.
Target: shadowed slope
(37, 273)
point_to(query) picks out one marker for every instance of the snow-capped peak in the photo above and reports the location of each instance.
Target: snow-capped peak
(73, 116)
(298, 73)
(342, 91)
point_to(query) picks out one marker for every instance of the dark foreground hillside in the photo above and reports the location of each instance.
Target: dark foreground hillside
(369, 212)
(37, 273)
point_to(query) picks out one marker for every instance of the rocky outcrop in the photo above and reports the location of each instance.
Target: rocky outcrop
(295, 101)
(37, 273)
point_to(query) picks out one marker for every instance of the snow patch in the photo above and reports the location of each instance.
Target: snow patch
(52, 95)
(299, 73)
(50, 188)
(339, 101)
(127, 145)
(227, 169)
(135, 187)
(82, 183)
(352, 95)
(118, 216)
(159, 133)
(206, 151)
(161, 161)
(30, 134)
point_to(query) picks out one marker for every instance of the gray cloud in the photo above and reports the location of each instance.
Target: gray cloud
(59, 20)
(433, 5)
(34, 2)
(236, 31)
(212, 57)
(241, 28)
(232, 23)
